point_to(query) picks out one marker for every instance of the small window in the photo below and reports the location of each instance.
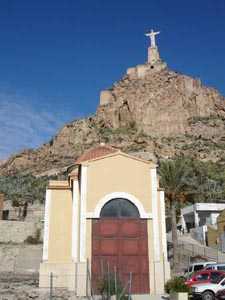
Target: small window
(210, 265)
(5, 215)
(198, 267)
(188, 270)
(221, 268)
(209, 268)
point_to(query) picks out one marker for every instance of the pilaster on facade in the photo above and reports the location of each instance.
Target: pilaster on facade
(75, 220)
(156, 237)
(46, 224)
(163, 223)
(83, 206)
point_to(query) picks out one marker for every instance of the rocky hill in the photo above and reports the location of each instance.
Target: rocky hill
(163, 104)
(152, 111)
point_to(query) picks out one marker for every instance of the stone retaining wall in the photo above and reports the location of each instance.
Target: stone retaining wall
(20, 258)
(16, 231)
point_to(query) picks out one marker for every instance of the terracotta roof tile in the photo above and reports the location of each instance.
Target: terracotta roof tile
(97, 152)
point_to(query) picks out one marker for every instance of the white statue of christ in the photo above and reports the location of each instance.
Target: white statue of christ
(152, 35)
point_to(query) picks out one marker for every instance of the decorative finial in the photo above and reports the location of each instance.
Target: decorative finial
(152, 35)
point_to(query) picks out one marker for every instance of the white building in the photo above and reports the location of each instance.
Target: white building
(200, 214)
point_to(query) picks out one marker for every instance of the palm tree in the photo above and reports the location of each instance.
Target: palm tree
(175, 178)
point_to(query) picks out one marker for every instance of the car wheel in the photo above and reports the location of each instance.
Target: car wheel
(208, 295)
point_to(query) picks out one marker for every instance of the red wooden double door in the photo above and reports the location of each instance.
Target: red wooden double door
(121, 244)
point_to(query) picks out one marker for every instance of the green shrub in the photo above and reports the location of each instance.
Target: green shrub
(106, 286)
(176, 285)
(19, 188)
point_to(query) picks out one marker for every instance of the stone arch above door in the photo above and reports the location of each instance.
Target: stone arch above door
(119, 208)
(96, 214)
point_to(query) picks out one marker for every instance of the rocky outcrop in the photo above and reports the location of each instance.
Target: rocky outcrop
(151, 112)
(161, 104)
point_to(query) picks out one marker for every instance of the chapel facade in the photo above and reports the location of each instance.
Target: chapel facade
(107, 217)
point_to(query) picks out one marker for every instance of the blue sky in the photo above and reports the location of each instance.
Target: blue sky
(56, 56)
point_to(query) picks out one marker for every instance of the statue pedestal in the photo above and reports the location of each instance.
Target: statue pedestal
(153, 55)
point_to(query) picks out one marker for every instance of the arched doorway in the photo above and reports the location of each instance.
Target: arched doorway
(120, 245)
(119, 208)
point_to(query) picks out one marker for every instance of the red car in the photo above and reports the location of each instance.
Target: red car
(204, 276)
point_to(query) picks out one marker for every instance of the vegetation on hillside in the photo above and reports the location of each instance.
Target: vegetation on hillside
(19, 188)
(207, 181)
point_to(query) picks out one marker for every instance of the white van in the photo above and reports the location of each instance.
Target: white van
(199, 266)
(216, 266)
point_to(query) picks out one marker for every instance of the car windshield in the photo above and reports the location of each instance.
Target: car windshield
(217, 280)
